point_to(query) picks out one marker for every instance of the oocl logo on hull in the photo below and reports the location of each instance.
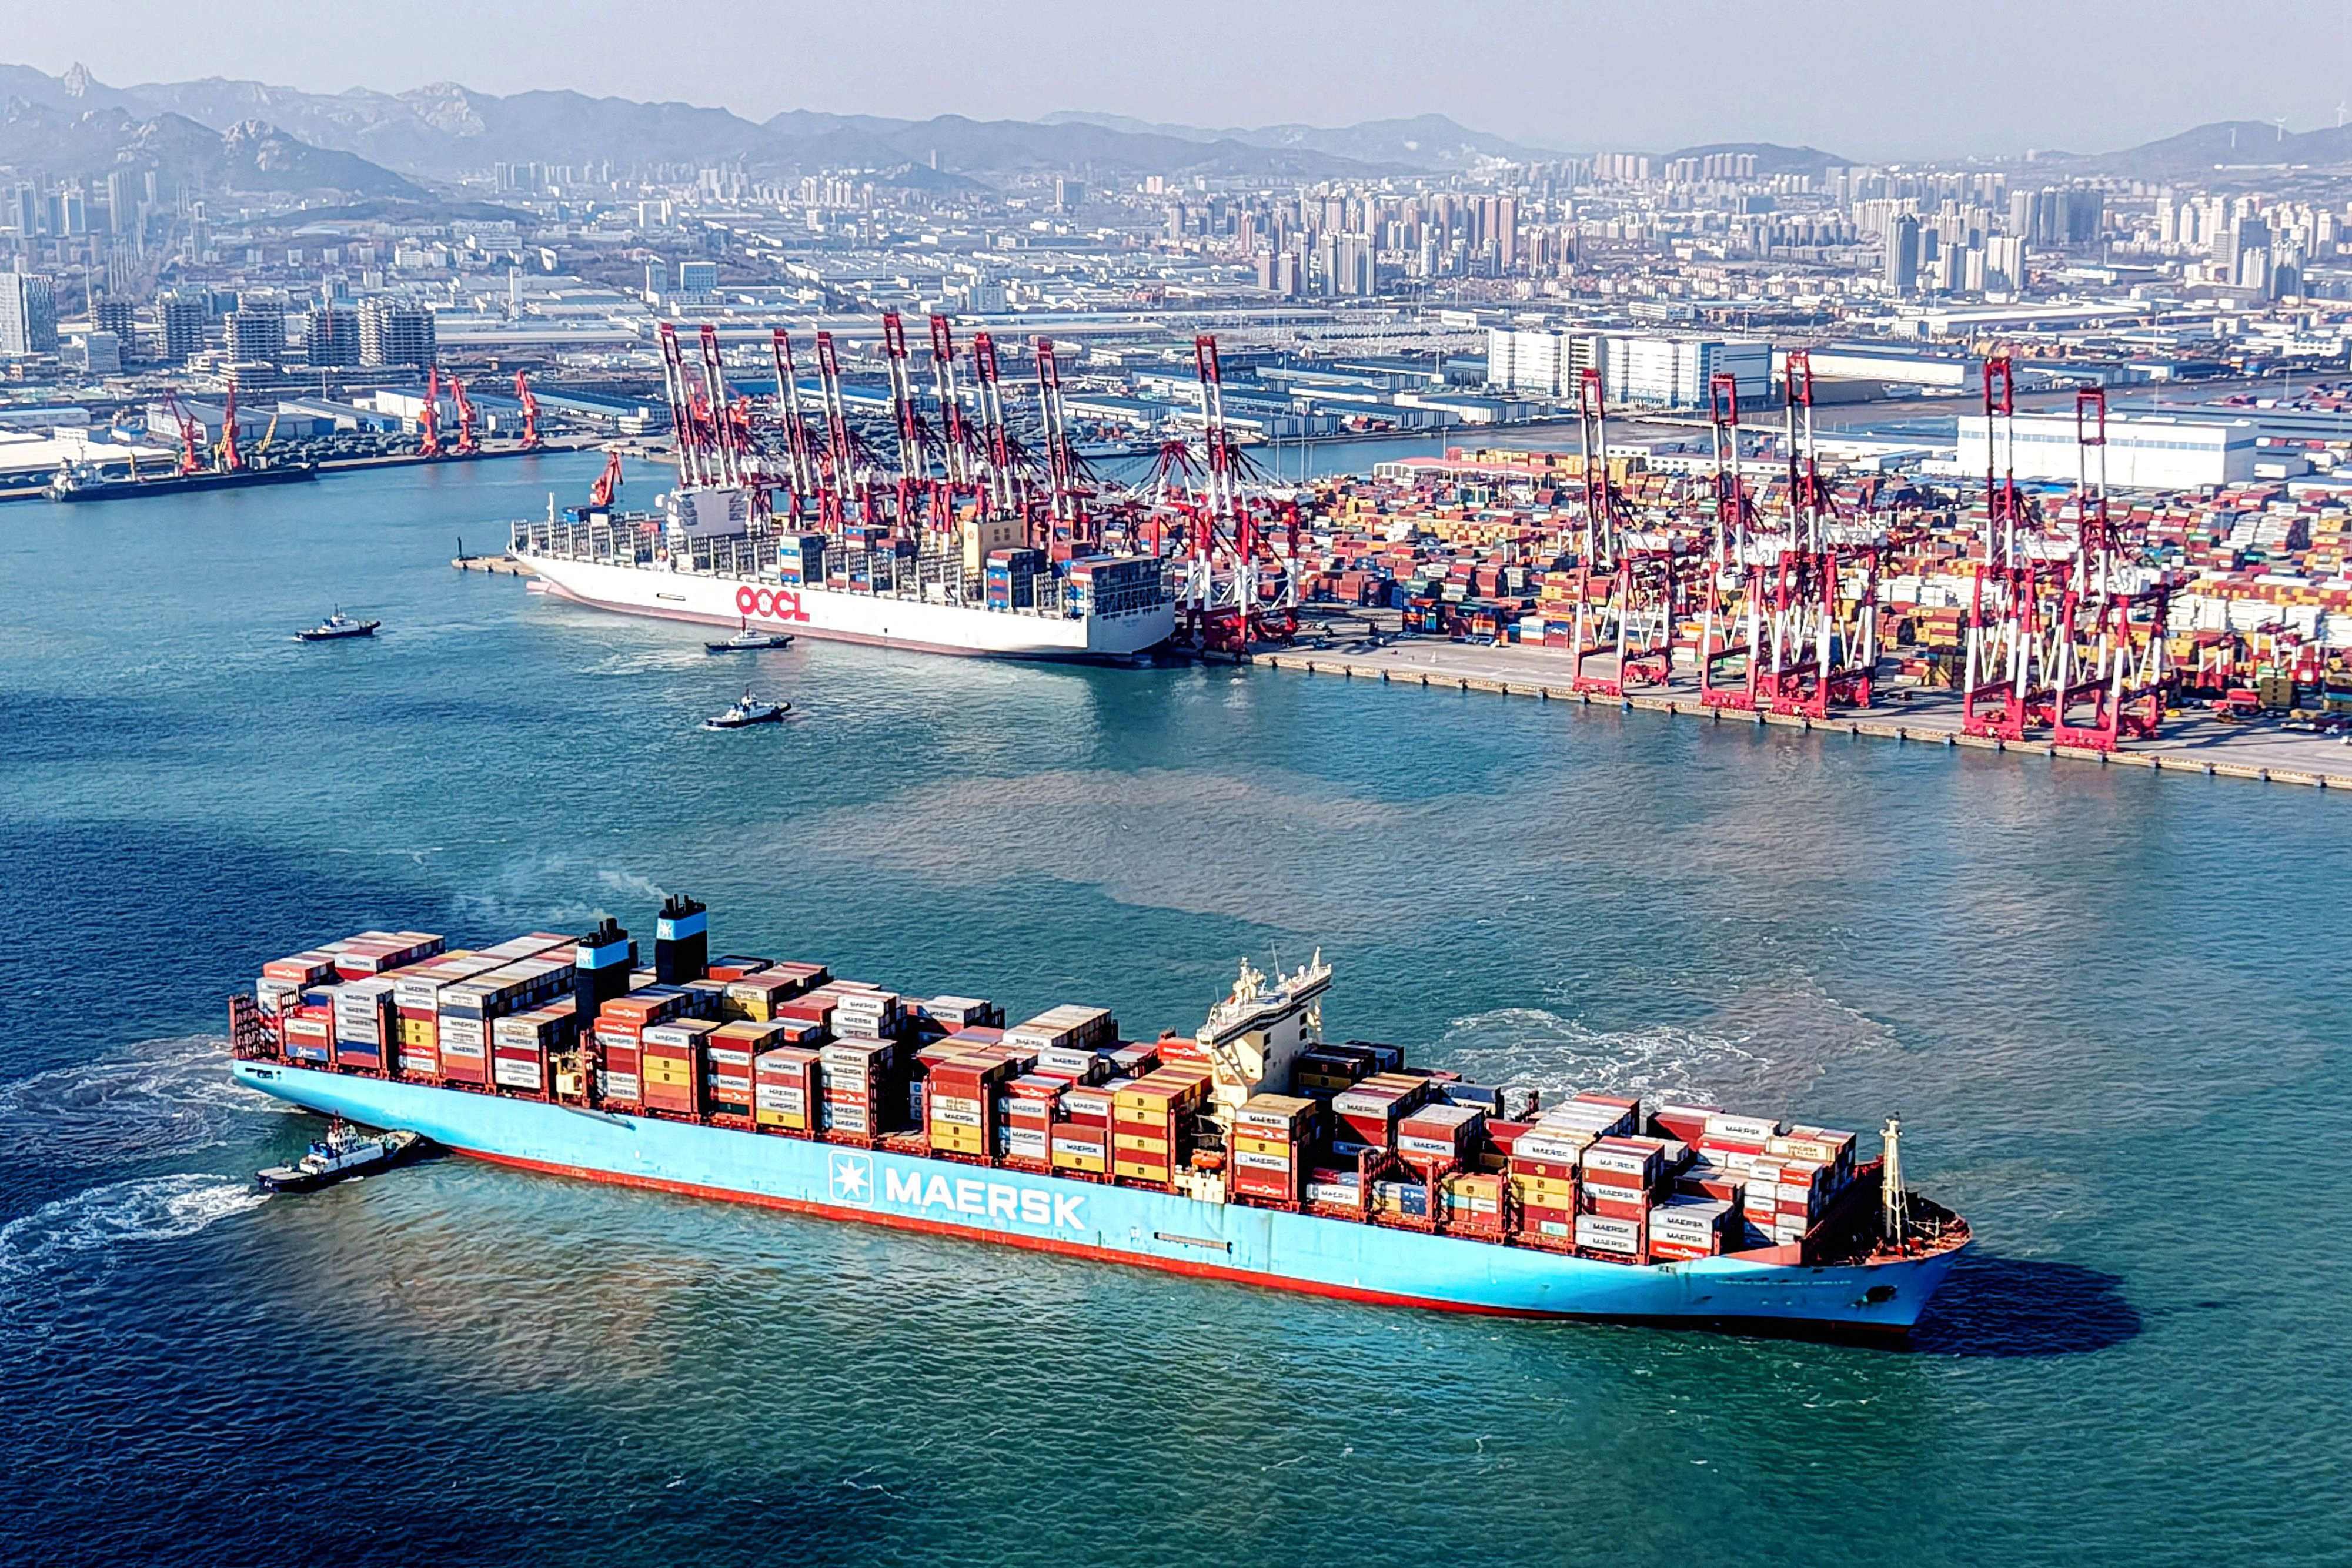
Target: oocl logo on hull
(776, 604)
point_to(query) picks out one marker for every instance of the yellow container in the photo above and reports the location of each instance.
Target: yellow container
(1068, 1160)
(1140, 1142)
(1283, 1147)
(1136, 1170)
(796, 1120)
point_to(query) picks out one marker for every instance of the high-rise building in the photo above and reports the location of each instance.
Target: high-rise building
(656, 282)
(1902, 255)
(394, 334)
(100, 353)
(330, 338)
(28, 314)
(119, 316)
(698, 280)
(257, 332)
(181, 317)
(1070, 194)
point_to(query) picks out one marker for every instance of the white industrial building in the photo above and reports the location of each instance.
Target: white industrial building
(2144, 452)
(1637, 370)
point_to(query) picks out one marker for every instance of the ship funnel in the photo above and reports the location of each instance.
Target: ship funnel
(601, 970)
(681, 941)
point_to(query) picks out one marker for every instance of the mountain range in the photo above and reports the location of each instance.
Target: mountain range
(250, 135)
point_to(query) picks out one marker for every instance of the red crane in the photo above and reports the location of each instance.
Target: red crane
(190, 433)
(429, 424)
(466, 444)
(600, 494)
(1641, 574)
(530, 411)
(230, 460)
(788, 406)
(683, 424)
(1729, 633)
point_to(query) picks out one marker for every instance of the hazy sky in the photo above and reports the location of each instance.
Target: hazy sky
(1867, 80)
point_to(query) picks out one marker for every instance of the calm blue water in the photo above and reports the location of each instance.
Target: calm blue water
(2105, 1002)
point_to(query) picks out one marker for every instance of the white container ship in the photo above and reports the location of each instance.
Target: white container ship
(701, 559)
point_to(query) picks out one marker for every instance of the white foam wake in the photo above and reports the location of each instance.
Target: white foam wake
(1559, 1056)
(97, 1219)
(162, 1097)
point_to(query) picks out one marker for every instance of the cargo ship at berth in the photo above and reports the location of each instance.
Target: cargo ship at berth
(80, 482)
(1250, 1150)
(702, 558)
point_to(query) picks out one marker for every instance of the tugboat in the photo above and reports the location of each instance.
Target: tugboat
(748, 710)
(345, 1152)
(337, 627)
(749, 641)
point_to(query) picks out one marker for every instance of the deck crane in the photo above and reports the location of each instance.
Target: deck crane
(231, 461)
(801, 462)
(466, 445)
(191, 433)
(2110, 622)
(1729, 627)
(428, 422)
(1639, 573)
(530, 442)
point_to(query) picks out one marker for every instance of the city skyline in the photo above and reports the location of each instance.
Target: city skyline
(1853, 83)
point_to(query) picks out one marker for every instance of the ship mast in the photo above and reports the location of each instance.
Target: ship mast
(1894, 1206)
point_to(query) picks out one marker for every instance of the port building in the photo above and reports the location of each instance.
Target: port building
(2146, 452)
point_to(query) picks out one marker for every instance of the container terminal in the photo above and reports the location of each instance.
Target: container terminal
(1250, 1150)
(1754, 573)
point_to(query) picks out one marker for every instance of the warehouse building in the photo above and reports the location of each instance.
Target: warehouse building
(2146, 452)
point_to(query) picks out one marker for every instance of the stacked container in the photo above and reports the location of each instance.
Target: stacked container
(675, 1069)
(308, 1032)
(787, 1088)
(863, 1012)
(416, 1001)
(1069, 1027)
(524, 1046)
(729, 1051)
(465, 1010)
(959, 1104)
(856, 1074)
(373, 953)
(620, 1024)
(1025, 1115)
(1149, 1117)
(1081, 1136)
(367, 1026)
(1685, 1227)
(1473, 1201)
(1436, 1137)
(1269, 1141)
(1365, 1117)
(757, 996)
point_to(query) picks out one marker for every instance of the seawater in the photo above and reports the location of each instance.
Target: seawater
(2106, 1004)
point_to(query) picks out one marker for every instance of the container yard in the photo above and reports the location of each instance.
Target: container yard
(1252, 1149)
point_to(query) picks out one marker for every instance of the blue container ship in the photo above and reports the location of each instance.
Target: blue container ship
(1413, 1192)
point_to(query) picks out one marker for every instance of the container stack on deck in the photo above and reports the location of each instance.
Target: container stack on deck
(775, 1048)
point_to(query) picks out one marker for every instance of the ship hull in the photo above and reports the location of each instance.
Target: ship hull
(1170, 1232)
(877, 620)
(181, 484)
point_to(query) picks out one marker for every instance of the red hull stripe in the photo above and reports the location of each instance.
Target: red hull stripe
(1035, 1243)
